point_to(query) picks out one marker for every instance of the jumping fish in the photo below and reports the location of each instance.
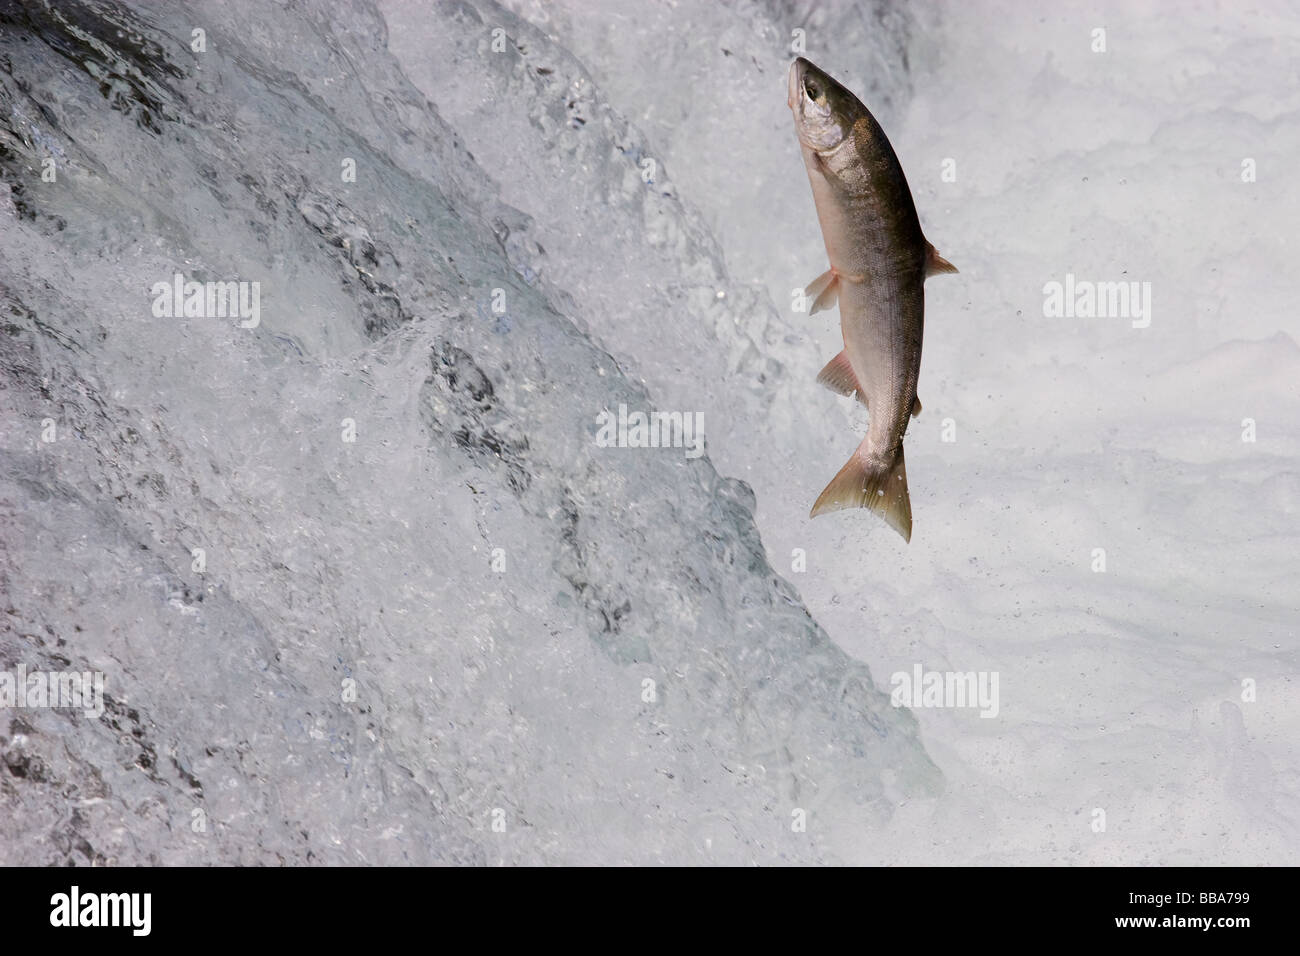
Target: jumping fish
(879, 261)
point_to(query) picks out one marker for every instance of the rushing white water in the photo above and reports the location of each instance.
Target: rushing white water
(365, 587)
(432, 619)
(1120, 691)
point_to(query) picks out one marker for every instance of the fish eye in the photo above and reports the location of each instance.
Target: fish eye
(811, 89)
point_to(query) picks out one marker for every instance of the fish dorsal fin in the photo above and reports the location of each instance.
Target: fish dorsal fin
(838, 376)
(824, 291)
(936, 264)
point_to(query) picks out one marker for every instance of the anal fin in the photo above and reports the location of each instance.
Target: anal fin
(838, 376)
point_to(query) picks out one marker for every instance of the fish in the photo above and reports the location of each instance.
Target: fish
(879, 261)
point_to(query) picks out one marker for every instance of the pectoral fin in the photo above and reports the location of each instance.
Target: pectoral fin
(935, 263)
(838, 376)
(824, 291)
(916, 406)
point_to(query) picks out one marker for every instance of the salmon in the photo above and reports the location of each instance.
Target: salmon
(879, 260)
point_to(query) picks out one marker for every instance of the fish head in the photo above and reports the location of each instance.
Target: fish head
(824, 111)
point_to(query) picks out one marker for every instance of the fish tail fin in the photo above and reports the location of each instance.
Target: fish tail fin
(866, 482)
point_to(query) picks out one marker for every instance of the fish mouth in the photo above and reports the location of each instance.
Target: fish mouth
(814, 121)
(795, 89)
